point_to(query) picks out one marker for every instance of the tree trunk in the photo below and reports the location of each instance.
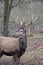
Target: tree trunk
(7, 10)
(6, 18)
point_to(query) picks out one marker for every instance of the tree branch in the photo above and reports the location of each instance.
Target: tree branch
(10, 6)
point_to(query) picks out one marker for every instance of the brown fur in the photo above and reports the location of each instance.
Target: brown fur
(8, 44)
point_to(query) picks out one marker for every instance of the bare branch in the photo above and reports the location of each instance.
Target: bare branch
(10, 5)
(13, 6)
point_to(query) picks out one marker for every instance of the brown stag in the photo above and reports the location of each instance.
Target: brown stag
(12, 46)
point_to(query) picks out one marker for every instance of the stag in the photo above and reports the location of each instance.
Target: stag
(12, 46)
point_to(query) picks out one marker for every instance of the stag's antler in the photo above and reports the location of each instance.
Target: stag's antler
(33, 20)
(36, 19)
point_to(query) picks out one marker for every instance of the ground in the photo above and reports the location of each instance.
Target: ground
(33, 54)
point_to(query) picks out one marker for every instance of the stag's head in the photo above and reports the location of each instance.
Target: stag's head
(21, 30)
